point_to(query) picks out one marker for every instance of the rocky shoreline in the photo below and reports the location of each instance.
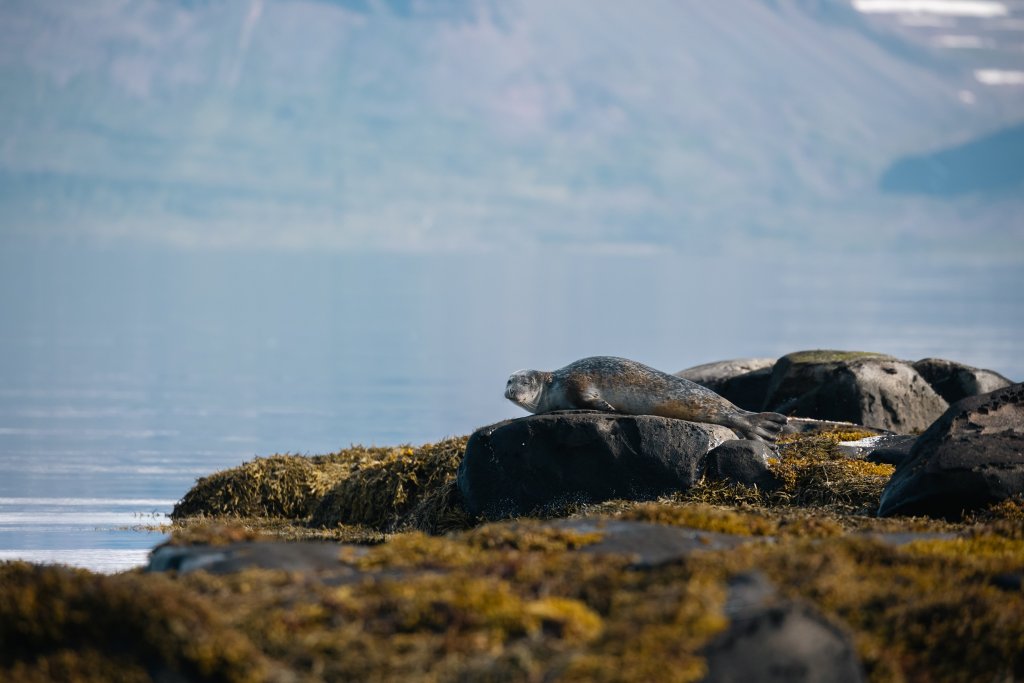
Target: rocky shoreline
(882, 540)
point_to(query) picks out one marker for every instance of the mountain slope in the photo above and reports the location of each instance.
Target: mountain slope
(453, 124)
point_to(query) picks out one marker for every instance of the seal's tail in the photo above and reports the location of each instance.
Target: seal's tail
(763, 426)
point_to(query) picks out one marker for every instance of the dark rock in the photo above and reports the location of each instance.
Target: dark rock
(650, 544)
(970, 457)
(514, 467)
(891, 450)
(742, 461)
(306, 556)
(955, 381)
(743, 381)
(772, 639)
(865, 388)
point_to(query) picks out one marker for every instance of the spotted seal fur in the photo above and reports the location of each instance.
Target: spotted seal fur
(620, 385)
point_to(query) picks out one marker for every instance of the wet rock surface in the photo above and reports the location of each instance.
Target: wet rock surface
(742, 461)
(514, 467)
(773, 639)
(970, 457)
(870, 389)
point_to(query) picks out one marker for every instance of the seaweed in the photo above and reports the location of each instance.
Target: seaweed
(276, 486)
(440, 595)
(518, 601)
(70, 624)
(380, 493)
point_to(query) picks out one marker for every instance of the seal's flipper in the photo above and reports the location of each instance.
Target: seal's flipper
(762, 426)
(591, 401)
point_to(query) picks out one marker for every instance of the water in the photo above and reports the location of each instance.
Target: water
(125, 374)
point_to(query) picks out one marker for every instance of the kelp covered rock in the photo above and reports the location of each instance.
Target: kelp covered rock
(514, 467)
(971, 457)
(870, 389)
(276, 486)
(381, 493)
(380, 488)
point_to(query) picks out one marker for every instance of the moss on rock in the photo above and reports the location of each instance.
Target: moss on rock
(705, 517)
(819, 356)
(929, 610)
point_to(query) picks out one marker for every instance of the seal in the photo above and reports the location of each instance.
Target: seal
(620, 385)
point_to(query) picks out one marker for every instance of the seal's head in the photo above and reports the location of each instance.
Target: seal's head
(524, 388)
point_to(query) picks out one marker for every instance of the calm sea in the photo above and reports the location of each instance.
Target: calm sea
(125, 374)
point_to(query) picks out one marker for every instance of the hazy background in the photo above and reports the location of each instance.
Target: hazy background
(749, 125)
(235, 228)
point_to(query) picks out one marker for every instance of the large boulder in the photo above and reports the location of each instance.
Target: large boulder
(744, 381)
(955, 381)
(972, 456)
(870, 389)
(517, 466)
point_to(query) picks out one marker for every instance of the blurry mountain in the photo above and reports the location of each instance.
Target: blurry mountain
(989, 164)
(441, 124)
